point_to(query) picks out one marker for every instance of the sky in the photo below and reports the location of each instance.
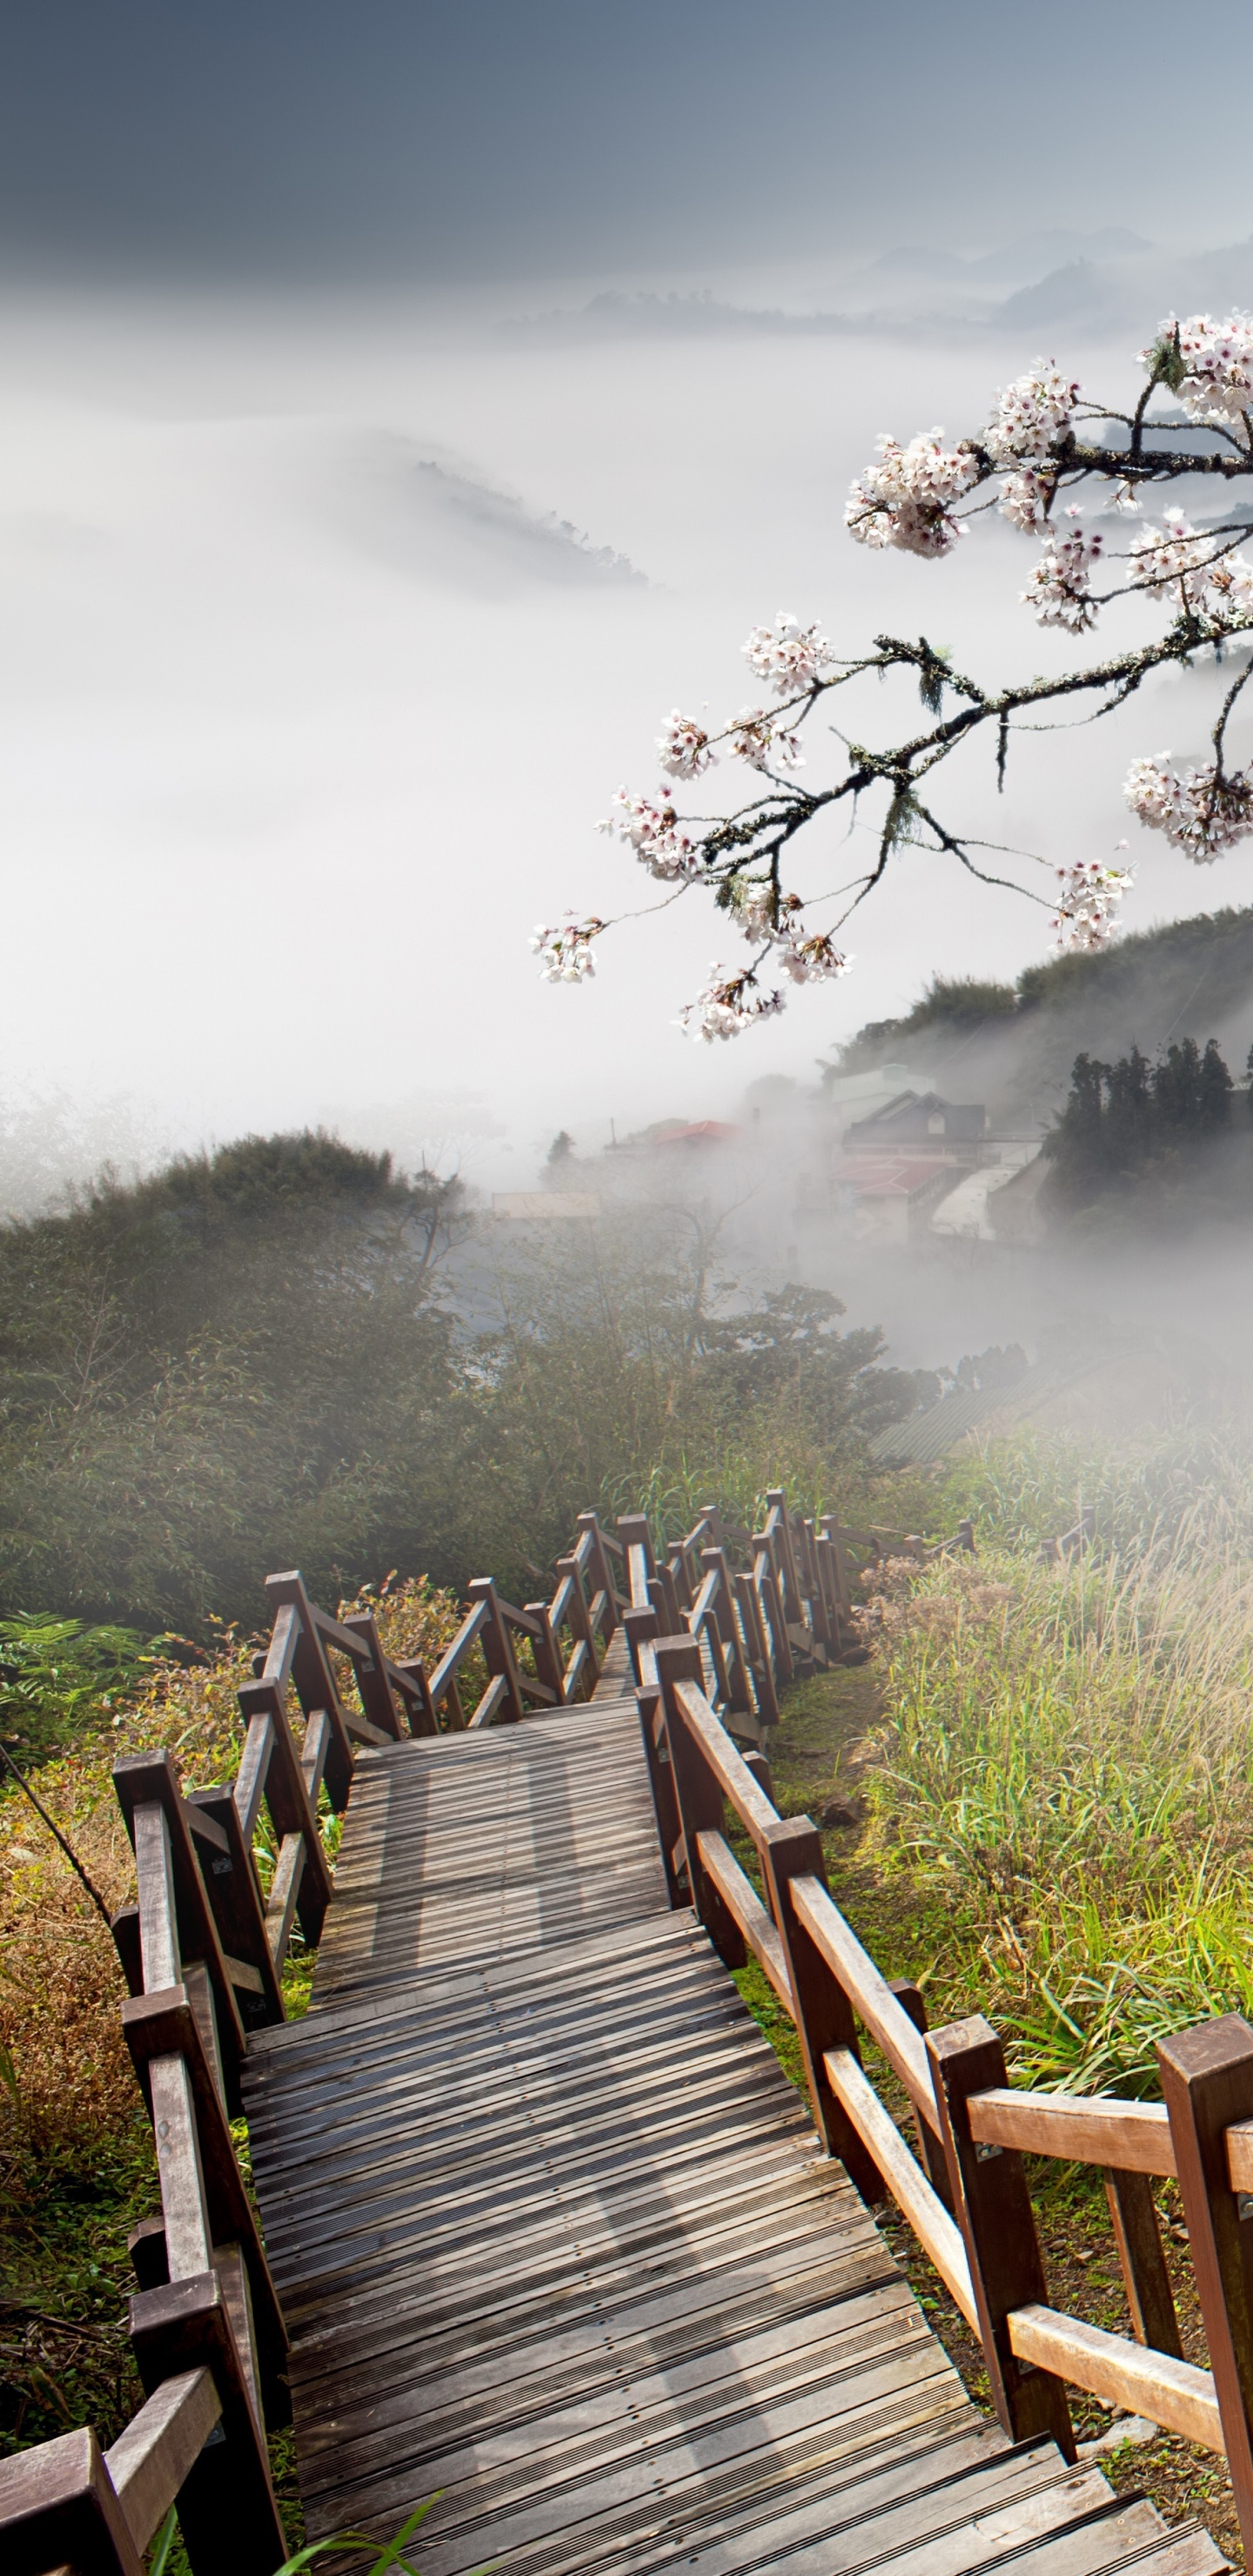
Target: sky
(338, 593)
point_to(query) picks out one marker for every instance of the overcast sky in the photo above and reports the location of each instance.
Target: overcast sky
(472, 138)
(308, 700)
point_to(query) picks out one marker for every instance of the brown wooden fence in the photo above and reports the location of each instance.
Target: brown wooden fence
(712, 1649)
(963, 2186)
(203, 1956)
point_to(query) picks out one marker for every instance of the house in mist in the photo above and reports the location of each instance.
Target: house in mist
(920, 1122)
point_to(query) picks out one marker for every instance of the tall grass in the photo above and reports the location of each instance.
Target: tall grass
(1068, 1756)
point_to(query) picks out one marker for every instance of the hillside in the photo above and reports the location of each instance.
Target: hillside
(1013, 1046)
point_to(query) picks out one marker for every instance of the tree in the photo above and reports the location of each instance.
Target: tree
(1120, 1119)
(1045, 442)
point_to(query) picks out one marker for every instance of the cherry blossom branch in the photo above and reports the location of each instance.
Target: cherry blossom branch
(920, 499)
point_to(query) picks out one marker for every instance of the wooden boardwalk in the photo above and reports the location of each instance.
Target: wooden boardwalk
(552, 2236)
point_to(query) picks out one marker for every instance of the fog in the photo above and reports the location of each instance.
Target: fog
(393, 432)
(327, 630)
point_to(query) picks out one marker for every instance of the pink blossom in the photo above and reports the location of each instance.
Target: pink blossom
(1087, 904)
(1215, 583)
(1058, 586)
(1025, 496)
(759, 738)
(728, 1005)
(1032, 414)
(654, 834)
(1200, 813)
(1217, 383)
(792, 657)
(565, 952)
(905, 499)
(684, 746)
(812, 960)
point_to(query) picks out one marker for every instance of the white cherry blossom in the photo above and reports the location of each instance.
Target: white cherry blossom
(758, 737)
(1032, 414)
(905, 499)
(757, 911)
(791, 656)
(684, 746)
(1087, 905)
(1025, 496)
(811, 960)
(1217, 358)
(728, 1005)
(565, 952)
(1200, 813)
(654, 833)
(1058, 587)
(1170, 555)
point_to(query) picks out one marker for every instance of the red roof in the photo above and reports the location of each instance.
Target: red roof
(706, 1131)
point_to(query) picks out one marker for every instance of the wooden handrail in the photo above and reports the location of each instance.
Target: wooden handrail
(152, 2456)
(755, 1810)
(454, 1656)
(742, 1901)
(936, 2232)
(869, 1993)
(1091, 2129)
(1172, 2393)
(982, 2128)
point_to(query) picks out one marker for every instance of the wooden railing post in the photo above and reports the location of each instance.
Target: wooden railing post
(739, 1695)
(633, 1530)
(497, 1646)
(1133, 2217)
(227, 2511)
(790, 1849)
(1207, 2082)
(993, 2206)
(931, 2154)
(758, 1643)
(604, 1585)
(663, 1593)
(697, 1795)
(765, 1583)
(570, 1569)
(665, 1799)
(643, 1627)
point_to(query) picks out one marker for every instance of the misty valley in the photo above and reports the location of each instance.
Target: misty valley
(626, 1215)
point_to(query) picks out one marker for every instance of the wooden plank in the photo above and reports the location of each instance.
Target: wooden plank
(741, 1899)
(998, 2224)
(58, 2511)
(728, 1766)
(372, 1682)
(315, 1684)
(1207, 2079)
(235, 1896)
(869, 1994)
(1171, 2393)
(1095, 2129)
(939, 2238)
(287, 1798)
(280, 1913)
(494, 1697)
(1146, 2281)
(176, 2137)
(152, 2456)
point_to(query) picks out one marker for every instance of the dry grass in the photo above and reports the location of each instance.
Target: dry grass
(76, 2168)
